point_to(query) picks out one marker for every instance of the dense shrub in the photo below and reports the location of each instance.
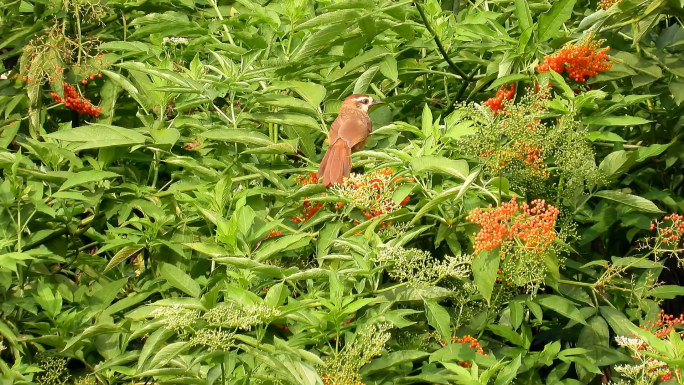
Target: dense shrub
(512, 220)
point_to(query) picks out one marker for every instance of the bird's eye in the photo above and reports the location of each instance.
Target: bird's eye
(365, 101)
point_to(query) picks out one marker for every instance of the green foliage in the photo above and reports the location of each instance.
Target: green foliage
(177, 235)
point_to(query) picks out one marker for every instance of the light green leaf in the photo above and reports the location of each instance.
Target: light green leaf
(613, 120)
(179, 279)
(634, 201)
(485, 267)
(84, 177)
(667, 291)
(561, 306)
(438, 318)
(550, 23)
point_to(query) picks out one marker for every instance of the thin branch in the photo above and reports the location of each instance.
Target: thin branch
(440, 47)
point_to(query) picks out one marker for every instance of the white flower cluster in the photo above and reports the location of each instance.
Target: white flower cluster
(419, 268)
(176, 317)
(175, 41)
(213, 339)
(231, 316)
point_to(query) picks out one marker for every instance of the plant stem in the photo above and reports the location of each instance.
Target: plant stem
(440, 47)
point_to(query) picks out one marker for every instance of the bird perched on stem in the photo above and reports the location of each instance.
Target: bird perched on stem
(348, 133)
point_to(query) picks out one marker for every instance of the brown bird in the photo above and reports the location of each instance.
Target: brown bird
(348, 133)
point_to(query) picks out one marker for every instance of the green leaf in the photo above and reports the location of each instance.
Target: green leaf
(634, 201)
(485, 267)
(456, 168)
(388, 67)
(522, 12)
(509, 372)
(614, 121)
(604, 136)
(179, 279)
(507, 333)
(561, 306)
(238, 136)
(84, 177)
(393, 360)
(282, 244)
(456, 192)
(617, 163)
(121, 256)
(438, 318)
(667, 291)
(98, 136)
(511, 78)
(550, 23)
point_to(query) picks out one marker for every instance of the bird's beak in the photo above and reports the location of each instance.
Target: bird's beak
(376, 102)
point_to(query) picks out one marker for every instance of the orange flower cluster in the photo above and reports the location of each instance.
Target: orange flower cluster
(674, 232)
(472, 342)
(496, 103)
(580, 61)
(76, 102)
(308, 210)
(304, 180)
(605, 4)
(372, 192)
(531, 223)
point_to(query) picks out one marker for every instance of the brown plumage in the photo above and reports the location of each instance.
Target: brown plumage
(348, 133)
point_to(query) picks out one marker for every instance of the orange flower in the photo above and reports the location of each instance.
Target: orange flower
(495, 103)
(580, 61)
(533, 224)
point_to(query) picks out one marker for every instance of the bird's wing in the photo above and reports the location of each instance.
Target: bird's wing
(351, 128)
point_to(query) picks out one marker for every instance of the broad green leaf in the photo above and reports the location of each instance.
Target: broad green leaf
(99, 136)
(550, 23)
(84, 177)
(509, 372)
(122, 255)
(667, 291)
(392, 360)
(455, 192)
(561, 306)
(485, 267)
(456, 168)
(282, 244)
(179, 279)
(388, 67)
(522, 12)
(614, 121)
(438, 318)
(633, 201)
(238, 136)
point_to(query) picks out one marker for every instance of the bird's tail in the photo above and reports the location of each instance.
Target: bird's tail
(336, 163)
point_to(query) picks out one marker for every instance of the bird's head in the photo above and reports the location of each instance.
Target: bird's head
(360, 102)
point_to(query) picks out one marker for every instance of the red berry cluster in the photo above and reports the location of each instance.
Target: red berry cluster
(672, 233)
(76, 102)
(504, 93)
(533, 224)
(664, 325)
(273, 233)
(580, 61)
